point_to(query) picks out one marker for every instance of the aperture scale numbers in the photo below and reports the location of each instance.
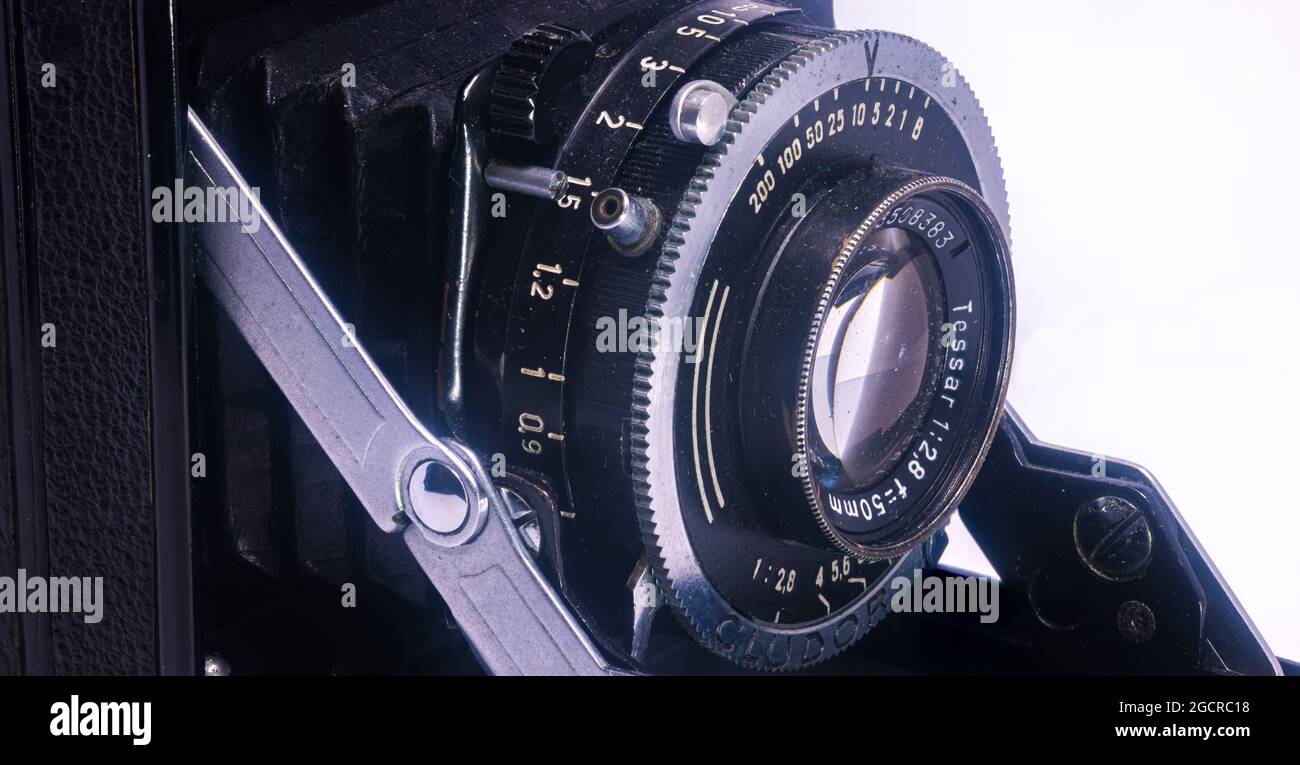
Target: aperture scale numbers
(785, 580)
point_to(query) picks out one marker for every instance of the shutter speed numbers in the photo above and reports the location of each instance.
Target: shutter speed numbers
(898, 110)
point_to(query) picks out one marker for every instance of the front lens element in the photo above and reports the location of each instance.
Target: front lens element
(874, 365)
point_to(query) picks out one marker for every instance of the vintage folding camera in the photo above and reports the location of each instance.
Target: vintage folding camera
(571, 336)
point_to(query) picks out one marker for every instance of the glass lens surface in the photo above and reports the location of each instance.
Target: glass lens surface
(873, 370)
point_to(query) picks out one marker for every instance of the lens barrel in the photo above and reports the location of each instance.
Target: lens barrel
(876, 361)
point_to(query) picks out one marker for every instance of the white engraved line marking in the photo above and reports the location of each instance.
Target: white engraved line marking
(708, 399)
(695, 420)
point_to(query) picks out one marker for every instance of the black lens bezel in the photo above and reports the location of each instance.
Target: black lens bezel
(975, 271)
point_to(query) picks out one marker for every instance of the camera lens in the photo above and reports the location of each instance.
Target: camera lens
(788, 380)
(893, 291)
(875, 362)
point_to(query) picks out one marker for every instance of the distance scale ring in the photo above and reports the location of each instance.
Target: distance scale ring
(819, 67)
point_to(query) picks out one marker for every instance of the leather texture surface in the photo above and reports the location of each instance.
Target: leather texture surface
(10, 645)
(90, 276)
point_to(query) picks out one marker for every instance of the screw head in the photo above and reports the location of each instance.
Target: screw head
(700, 111)
(439, 501)
(1135, 621)
(1113, 538)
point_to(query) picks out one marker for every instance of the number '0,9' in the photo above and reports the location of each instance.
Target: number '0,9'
(531, 423)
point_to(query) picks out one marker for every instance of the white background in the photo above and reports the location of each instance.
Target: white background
(1152, 160)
